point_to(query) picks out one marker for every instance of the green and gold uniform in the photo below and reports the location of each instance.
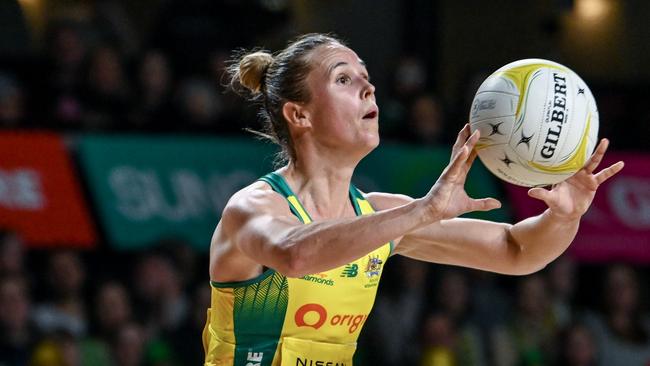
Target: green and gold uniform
(315, 320)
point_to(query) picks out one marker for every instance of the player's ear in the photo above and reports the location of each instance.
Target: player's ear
(296, 115)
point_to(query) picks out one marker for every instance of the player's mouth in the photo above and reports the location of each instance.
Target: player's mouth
(372, 114)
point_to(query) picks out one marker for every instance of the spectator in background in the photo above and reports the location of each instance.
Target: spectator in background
(410, 80)
(57, 349)
(528, 338)
(576, 347)
(187, 341)
(490, 302)
(561, 279)
(17, 337)
(128, 346)
(163, 305)
(440, 341)
(234, 112)
(462, 339)
(107, 95)
(60, 98)
(426, 120)
(65, 310)
(112, 310)
(153, 111)
(11, 254)
(199, 106)
(622, 332)
(394, 339)
(12, 109)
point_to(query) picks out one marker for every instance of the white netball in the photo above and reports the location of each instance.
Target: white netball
(538, 122)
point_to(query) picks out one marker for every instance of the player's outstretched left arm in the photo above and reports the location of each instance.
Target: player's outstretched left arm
(522, 248)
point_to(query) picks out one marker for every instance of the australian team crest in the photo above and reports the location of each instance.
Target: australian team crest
(374, 266)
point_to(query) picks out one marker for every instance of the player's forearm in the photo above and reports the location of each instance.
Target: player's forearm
(327, 244)
(541, 239)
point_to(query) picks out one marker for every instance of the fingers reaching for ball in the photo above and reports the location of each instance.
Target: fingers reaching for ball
(597, 156)
(463, 135)
(595, 160)
(609, 172)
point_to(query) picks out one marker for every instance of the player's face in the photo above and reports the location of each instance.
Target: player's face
(343, 110)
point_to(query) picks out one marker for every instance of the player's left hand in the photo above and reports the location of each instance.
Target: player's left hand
(571, 198)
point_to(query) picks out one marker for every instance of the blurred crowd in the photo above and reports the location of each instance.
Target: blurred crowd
(73, 308)
(433, 315)
(94, 70)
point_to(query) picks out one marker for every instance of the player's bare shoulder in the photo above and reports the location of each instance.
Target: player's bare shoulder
(257, 198)
(227, 261)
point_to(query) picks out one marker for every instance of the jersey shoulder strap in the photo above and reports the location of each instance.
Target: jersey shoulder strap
(279, 185)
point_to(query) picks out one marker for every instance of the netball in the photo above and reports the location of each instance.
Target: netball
(538, 122)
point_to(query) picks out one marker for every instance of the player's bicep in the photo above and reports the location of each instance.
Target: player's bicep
(257, 225)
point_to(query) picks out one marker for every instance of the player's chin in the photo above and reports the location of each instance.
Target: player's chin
(371, 138)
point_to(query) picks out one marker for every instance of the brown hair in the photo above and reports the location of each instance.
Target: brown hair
(274, 79)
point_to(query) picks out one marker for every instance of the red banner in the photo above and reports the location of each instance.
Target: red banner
(40, 197)
(617, 226)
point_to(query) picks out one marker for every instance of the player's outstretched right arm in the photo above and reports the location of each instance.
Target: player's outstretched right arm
(259, 224)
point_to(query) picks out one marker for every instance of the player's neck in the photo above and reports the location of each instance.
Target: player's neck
(322, 187)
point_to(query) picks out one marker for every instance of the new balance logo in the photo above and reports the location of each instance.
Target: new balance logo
(254, 359)
(350, 270)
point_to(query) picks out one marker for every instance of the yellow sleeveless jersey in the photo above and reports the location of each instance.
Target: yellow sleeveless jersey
(314, 320)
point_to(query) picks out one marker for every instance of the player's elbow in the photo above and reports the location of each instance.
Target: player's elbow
(524, 269)
(522, 264)
(292, 262)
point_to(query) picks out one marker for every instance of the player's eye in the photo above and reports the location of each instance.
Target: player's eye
(343, 79)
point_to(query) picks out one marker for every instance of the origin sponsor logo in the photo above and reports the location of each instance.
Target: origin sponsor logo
(320, 279)
(308, 362)
(352, 321)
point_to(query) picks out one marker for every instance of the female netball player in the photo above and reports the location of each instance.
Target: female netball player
(296, 258)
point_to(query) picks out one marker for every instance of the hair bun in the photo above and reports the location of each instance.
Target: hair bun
(252, 68)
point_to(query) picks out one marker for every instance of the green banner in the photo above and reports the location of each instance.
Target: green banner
(147, 188)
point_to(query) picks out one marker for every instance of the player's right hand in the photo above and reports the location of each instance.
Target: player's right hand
(447, 198)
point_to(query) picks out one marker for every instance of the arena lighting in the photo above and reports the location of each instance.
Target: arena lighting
(593, 10)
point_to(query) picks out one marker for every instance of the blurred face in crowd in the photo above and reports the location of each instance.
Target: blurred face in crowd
(14, 304)
(128, 347)
(66, 273)
(415, 272)
(453, 293)
(155, 276)
(112, 306)
(12, 106)
(427, 118)
(533, 301)
(439, 330)
(68, 48)
(106, 74)
(155, 74)
(562, 276)
(11, 255)
(580, 347)
(622, 289)
(410, 76)
(342, 109)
